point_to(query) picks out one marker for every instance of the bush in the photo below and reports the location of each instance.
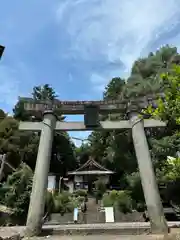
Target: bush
(100, 186)
(107, 201)
(16, 191)
(113, 195)
(63, 203)
(100, 189)
(81, 192)
(135, 187)
(140, 207)
(124, 202)
(49, 202)
(58, 207)
(120, 199)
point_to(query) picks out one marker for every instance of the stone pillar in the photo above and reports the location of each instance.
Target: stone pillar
(148, 179)
(37, 201)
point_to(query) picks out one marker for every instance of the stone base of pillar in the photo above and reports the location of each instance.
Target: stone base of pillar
(32, 232)
(157, 220)
(159, 227)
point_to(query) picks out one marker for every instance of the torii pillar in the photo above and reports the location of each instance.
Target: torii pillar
(148, 178)
(37, 200)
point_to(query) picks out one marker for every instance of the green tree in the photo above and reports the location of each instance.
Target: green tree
(45, 92)
(113, 90)
(63, 156)
(12, 142)
(115, 149)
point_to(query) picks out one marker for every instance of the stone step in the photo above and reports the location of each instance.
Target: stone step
(94, 229)
(132, 228)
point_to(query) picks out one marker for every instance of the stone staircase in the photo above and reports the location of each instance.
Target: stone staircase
(93, 213)
(92, 216)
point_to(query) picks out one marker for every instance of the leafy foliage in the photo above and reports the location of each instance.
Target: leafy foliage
(136, 191)
(100, 188)
(168, 109)
(45, 92)
(115, 150)
(63, 203)
(15, 192)
(114, 89)
(120, 199)
(81, 193)
(22, 147)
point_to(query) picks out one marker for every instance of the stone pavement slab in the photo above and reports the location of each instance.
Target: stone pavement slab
(9, 234)
(85, 231)
(106, 237)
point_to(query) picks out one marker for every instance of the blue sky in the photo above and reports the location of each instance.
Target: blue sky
(77, 46)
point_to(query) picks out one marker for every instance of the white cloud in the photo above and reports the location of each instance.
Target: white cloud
(116, 31)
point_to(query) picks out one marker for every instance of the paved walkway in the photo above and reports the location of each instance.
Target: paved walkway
(106, 237)
(114, 236)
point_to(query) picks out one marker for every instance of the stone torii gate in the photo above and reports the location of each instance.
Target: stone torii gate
(50, 124)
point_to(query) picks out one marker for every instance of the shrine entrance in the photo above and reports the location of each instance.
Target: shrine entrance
(49, 112)
(88, 173)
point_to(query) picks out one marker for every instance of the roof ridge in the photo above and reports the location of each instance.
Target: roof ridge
(96, 164)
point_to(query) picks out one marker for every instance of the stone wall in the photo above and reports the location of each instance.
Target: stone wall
(57, 218)
(129, 217)
(92, 218)
(99, 217)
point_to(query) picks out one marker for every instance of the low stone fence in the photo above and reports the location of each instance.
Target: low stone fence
(129, 217)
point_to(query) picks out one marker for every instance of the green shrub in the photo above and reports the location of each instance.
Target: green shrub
(120, 199)
(100, 189)
(135, 186)
(81, 192)
(113, 195)
(80, 199)
(69, 207)
(140, 207)
(16, 191)
(124, 202)
(65, 197)
(107, 201)
(59, 207)
(63, 203)
(100, 186)
(49, 202)
(75, 202)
